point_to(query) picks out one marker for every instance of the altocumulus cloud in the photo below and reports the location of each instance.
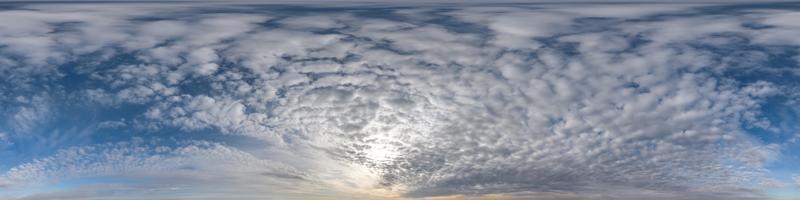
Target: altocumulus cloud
(253, 101)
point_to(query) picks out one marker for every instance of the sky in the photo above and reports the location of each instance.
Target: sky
(537, 100)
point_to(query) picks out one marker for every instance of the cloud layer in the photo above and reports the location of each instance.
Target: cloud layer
(630, 101)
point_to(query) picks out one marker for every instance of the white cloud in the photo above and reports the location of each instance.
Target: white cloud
(510, 31)
(26, 114)
(781, 27)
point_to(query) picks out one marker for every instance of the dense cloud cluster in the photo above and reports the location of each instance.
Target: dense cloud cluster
(626, 101)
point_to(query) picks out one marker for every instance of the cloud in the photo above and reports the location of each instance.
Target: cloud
(137, 157)
(191, 164)
(26, 114)
(5, 142)
(796, 180)
(203, 112)
(312, 22)
(542, 100)
(772, 183)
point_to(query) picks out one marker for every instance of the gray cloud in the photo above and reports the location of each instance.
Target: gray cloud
(796, 180)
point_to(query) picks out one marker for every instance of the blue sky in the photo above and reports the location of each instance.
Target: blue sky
(255, 100)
